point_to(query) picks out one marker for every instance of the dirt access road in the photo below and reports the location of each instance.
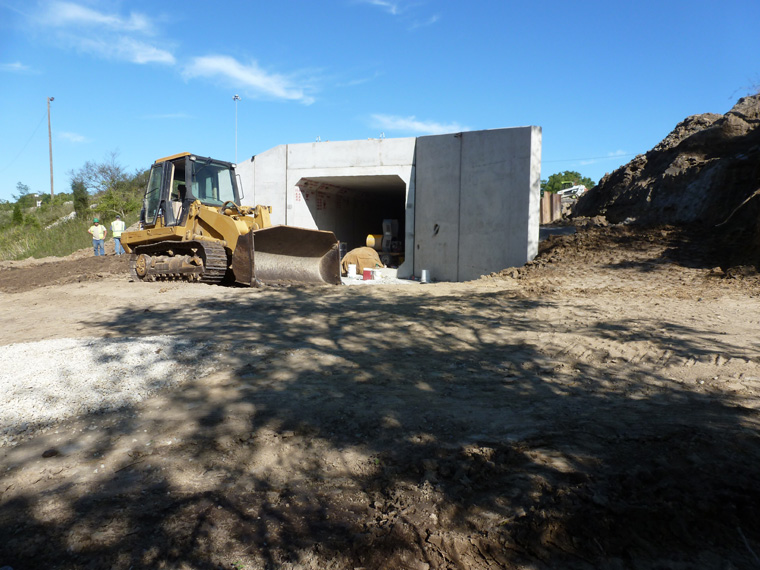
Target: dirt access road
(595, 409)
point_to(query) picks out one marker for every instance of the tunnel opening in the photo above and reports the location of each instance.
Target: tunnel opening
(356, 207)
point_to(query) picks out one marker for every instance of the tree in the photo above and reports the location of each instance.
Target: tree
(32, 221)
(560, 180)
(118, 192)
(22, 190)
(103, 176)
(81, 198)
(24, 196)
(119, 200)
(18, 216)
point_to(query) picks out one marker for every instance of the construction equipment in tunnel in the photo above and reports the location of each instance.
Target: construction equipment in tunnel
(193, 227)
(389, 248)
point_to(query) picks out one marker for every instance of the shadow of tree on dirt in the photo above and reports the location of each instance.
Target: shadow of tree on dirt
(652, 247)
(346, 430)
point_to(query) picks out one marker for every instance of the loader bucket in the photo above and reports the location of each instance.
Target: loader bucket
(295, 255)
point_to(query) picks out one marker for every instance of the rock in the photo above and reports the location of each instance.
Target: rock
(595, 221)
(740, 271)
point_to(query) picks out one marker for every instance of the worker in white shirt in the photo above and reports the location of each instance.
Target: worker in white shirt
(98, 234)
(117, 227)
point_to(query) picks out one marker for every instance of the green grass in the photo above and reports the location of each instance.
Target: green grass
(34, 240)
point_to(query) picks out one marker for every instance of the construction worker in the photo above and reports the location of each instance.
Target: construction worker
(98, 234)
(117, 226)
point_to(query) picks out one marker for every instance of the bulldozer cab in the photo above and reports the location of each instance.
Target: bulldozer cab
(177, 181)
(194, 227)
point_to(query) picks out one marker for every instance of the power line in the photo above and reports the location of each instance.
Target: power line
(26, 144)
(592, 158)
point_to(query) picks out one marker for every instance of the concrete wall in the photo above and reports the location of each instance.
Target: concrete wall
(471, 199)
(280, 178)
(264, 181)
(271, 177)
(477, 198)
(437, 191)
(333, 160)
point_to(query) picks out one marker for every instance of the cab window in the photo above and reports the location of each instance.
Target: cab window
(153, 194)
(212, 183)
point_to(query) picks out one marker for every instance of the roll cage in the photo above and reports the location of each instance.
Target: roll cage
(177, 181)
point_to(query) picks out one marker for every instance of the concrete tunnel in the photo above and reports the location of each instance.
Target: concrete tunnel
(361, 205)
(465, 204)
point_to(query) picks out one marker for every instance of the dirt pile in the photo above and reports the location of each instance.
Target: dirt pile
(705, 173)
(80, 266)
(597, 408)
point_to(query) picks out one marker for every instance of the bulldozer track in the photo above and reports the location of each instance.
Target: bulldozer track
(213, 254)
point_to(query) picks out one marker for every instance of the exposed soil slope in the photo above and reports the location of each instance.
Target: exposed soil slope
(704, 173)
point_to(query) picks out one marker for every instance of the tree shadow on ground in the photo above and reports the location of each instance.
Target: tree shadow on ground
(346, 430)
(649, 248)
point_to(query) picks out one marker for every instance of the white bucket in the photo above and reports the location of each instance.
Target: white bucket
(352, 271)
(425, 277)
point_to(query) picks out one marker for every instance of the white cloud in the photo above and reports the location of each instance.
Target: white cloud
(15, 67)
(413, 125)
(137, 51)
(109, 36)
(423, 24)
(249, 76)
(390, 7)
(408, 12)
(68, 14)
(122, 48)
(360, 80)
(72, 137)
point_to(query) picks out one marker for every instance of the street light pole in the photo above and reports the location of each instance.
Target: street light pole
(236, 98)
(50, 144)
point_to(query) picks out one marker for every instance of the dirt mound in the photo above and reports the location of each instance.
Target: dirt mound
(705, 173)
(17, 276)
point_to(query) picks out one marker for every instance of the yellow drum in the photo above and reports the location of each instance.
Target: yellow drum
(375, 241)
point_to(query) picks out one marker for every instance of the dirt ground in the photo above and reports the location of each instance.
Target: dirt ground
(597, 408)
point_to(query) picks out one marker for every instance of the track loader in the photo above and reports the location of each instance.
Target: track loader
(193, 227)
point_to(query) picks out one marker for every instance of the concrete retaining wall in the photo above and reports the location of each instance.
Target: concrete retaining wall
(477, 202)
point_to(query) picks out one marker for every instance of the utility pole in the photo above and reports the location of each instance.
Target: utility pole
(50, 144)
(236, 98)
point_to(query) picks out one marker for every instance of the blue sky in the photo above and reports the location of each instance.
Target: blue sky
(605, 80)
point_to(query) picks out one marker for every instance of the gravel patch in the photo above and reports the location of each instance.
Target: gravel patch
(51, 380)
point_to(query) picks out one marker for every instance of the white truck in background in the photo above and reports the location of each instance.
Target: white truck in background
(572, 192)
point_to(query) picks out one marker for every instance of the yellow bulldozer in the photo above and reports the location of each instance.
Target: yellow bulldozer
(193, 227)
